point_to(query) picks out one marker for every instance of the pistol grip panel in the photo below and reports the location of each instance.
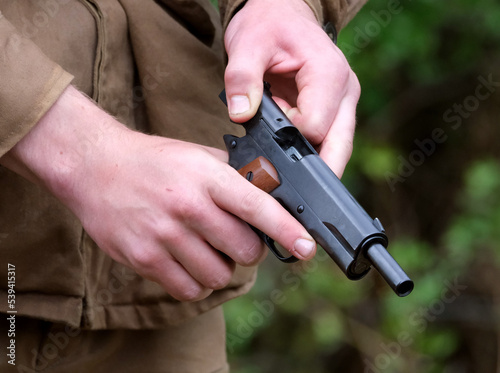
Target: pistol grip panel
(252, 165)
(261, 173)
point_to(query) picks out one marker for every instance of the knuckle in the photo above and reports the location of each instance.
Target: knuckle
(191, 293)
(252, 204)
(284, 231)
(283, 228)
(317, 134)
(317, 127)
(172, 239)
(218, 280)
(144, 261)
(231, 73)
(342, 73)
(189, 209)
(252, 254)
(238, 78)
(234, 73)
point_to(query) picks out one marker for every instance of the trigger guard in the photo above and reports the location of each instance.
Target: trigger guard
(270, 243)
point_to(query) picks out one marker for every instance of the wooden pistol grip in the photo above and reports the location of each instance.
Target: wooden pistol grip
(261, 173)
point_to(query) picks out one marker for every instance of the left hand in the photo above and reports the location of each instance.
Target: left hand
(280, 41)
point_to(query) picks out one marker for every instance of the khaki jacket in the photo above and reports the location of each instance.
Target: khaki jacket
(155, 65)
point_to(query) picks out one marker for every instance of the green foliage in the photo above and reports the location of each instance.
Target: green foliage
(427, 41)
(374, 159)
(477, 228)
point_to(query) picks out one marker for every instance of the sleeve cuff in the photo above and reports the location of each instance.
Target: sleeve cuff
(338, 12)
(228, 8)
(31, 83)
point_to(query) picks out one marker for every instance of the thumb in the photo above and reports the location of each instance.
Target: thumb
(244, 84)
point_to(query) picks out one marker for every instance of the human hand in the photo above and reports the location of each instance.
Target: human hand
(173, 211)
(280, 41)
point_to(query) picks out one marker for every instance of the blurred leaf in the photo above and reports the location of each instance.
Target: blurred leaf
(482, 183)
(439, 343)
(376, 160)
(328, 327)
(413, 254)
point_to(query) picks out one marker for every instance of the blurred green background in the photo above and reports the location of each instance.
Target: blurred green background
(426, 162)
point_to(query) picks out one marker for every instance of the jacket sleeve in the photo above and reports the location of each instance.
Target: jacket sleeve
(30, 84)
(339, 12)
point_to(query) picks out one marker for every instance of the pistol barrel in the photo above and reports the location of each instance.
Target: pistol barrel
(390, 270)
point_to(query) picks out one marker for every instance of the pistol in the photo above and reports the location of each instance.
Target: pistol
(275, 156)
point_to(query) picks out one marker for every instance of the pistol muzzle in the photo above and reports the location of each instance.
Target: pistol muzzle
(390, 270)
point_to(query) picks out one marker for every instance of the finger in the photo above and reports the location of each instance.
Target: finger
(221, 155)
(337, 146)
(244, 79)
(321, 90)
(284, 89)
(202, 261)
(259, 209)
(232, 236)
(200, 215)
(157, 265)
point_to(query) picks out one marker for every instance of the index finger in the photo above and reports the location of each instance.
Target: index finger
(336, 148)
(322, 83)
(239, 197)
(326, 115)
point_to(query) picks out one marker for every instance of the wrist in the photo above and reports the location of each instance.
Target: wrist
(307, 8)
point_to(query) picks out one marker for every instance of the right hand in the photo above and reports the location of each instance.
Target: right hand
(310, 77)
(163, 207)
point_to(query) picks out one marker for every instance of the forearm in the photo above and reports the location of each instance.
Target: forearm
(65, 140)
